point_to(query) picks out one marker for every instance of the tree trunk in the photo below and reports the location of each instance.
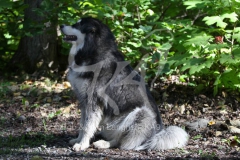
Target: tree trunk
(37, 51)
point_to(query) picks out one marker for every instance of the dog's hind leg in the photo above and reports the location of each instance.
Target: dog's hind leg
(90, 125)
(139, 130)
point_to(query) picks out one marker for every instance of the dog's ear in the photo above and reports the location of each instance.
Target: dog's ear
(93, 29)
(89, 29)
(90, 44)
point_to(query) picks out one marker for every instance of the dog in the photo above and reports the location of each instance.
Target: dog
(114, 100)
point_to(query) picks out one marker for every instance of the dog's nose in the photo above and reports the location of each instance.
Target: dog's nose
(61, 26)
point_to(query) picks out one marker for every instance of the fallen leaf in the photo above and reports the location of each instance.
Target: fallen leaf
(15, 94)
(65, 110)
(223, 111)
(205, 105)
(218, 133)
(233, 122)
(43, 114)
(13, 88)
(28, 82)
(19, 97)
(224, 94)
(29, 129)
(66, 85)
(210, 123)
(233, 129)
(182, 109)
(204, 110)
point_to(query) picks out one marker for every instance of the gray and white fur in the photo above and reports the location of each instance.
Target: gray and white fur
(113, 97)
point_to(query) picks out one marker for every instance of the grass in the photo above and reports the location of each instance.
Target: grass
(197, 137)
(4, 90)
(206, 155)
(12, 144)
(2, 120)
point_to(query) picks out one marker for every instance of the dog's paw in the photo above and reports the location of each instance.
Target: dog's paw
(80, 146)
(73, 141)
(101, 144)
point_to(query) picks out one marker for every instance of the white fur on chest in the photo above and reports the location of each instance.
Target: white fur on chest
(79, 85)
(73, 51)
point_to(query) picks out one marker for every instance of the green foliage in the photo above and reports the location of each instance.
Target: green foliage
(139, 32)
(52, 114)
(197, 40)
(11, 18)
(203, 47)
(212, 50)
(4, 90)
(12, 144)
(237, 139)
(197, 137)
(206, 155)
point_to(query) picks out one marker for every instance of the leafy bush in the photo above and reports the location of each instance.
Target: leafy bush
(212, 50)
(11, 19)
(197, 40)
(139, 31)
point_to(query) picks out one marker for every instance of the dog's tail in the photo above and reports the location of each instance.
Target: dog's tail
(169, 138)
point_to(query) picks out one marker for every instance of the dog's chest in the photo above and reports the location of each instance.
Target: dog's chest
(80, 85)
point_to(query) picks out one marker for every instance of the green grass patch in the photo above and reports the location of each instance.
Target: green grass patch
(197, 137)
(13, 143)
(4, 90)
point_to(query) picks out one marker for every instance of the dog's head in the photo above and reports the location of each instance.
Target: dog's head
(85, 28)
(90, 38)
(73, 33)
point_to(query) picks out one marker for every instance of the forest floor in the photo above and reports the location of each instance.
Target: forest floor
(39, 117)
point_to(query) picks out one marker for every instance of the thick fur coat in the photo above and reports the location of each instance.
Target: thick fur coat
(113, 97)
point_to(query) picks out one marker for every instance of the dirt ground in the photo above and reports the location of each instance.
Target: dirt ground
(39, 117)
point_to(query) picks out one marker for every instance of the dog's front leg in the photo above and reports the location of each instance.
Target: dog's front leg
(91, 120)
(81, 128)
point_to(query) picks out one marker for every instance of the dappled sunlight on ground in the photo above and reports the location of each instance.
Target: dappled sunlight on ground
(38, 118)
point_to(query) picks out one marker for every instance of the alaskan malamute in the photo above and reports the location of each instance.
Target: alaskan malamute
(113, 97)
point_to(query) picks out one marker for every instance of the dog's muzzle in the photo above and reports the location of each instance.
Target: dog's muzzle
(67, 37)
